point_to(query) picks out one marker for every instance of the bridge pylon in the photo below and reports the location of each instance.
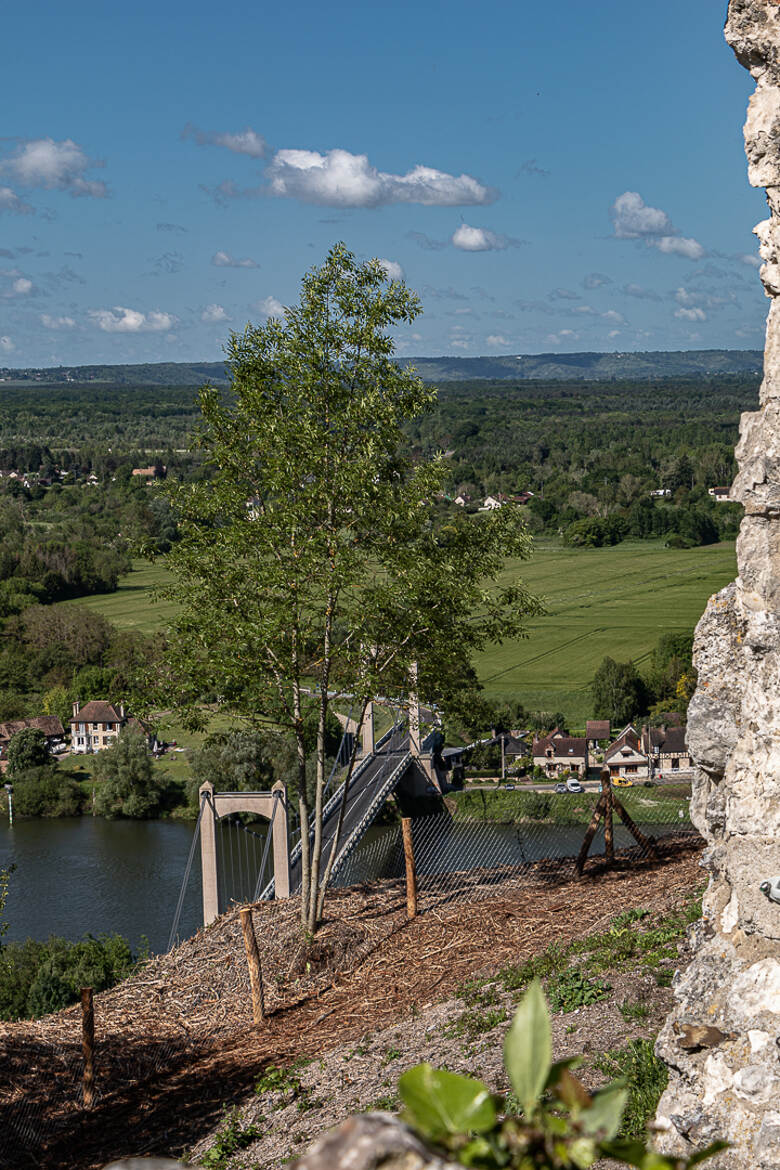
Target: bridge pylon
(272, 805)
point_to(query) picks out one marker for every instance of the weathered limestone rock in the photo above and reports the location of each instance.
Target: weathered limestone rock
(371, 1141)
(731, 1089)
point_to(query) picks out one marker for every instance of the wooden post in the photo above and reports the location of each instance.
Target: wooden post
(88, 1045)
(636, 833)
(411, 875)
(253, 962)
(590, 832)
(606, 788)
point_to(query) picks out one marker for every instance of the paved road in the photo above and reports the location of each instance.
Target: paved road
(370, 787)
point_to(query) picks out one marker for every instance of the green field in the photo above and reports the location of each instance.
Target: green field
(604, 601)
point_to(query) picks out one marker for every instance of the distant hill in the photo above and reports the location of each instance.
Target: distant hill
(600, 367)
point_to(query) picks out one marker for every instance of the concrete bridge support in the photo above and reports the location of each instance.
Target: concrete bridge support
(214, 805)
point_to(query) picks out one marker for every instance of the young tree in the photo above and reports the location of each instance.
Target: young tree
(308, 567)
(619, 693)
(128, 786)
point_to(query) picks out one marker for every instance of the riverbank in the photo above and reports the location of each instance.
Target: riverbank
(370, 974)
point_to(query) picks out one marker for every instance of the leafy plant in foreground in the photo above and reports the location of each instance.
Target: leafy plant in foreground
(559, 1124)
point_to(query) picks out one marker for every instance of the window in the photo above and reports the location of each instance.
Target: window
(96, 739)
(82, 727)
(675, 763)
(109, 727)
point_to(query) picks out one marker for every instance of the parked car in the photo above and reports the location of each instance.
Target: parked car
(623, 782)
(561, 787)
(574, 786)
(509, 787)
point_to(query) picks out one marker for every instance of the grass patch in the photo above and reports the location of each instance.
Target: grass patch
(231, 1137)
(646, 1077)
(572, 989)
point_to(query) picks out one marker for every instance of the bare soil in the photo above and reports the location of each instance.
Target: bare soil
(177, 1047)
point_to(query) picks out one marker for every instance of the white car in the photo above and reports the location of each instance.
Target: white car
(574, 786)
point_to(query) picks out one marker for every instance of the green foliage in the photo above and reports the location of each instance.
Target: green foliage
(618, 692)
(46, 792)
(41, 977)
(645, 1076)
(275, 1079)
(128, 785)
(230, 1139)
(572, 989)
(559, 1124)
(27, 749)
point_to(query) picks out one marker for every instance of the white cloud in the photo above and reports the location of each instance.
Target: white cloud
(243, 142)
(613, 333)
(341, 179)
(269, 307)
(743, 257)
(561, 336)
(495, 339)
(679, 246)
(57, 322)
(595, 280)
(633, 219)
(393, 269)
(613, 315)
(213, 314)
(691, 314)
(225, 260)
(459, 343)
(61, 166)
(121, 320)
(10, 201)
(564, 294)
(6, 344)
(22, 286)
(475, 239)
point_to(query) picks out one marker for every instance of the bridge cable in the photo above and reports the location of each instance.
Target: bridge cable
(187, 869)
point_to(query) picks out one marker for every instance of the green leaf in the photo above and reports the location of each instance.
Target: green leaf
(637, 1154)
(708, 1152)
(440, 1104)
(560, 1066)
(528, 1048)
(606, 1110)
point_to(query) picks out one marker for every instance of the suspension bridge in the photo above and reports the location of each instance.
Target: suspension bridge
(240, 864)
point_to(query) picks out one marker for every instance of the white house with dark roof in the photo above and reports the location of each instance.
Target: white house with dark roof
(95, 726)
(625, 757)
(557, 753)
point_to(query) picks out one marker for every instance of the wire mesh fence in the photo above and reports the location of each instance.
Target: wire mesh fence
(485, 838)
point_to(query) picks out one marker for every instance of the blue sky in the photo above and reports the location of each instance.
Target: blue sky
(548, 177)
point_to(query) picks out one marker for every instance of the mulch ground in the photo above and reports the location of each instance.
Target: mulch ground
(176, 1044)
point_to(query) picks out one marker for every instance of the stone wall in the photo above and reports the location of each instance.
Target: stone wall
(725, 1075)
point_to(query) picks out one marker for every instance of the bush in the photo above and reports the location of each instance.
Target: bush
(128, 785)
(46, 792)
(27, 749)
(37, 978)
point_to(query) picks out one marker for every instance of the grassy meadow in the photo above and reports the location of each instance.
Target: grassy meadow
(614, 601)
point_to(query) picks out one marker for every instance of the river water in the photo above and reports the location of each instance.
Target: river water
(79, 875)
(87, 875)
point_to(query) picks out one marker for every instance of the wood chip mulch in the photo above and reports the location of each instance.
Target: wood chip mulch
(176, 1044)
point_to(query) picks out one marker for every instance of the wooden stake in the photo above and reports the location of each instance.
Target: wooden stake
(590, 832)
(411, 875)
(606, 788)
(88, 1045)
(253, 962)
(637, 834)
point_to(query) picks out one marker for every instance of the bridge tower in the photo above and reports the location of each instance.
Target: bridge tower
(214, 805)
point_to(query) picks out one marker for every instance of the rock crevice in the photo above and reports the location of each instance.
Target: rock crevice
(732, 1091)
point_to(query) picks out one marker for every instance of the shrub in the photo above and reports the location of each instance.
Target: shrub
(46, 792)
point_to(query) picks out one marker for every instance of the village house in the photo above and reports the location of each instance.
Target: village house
(557, 753)
(667, 749)
(597, 730)
(719, 494)
(95, 726)
(463, 499)
(50, 725)
(625, 757)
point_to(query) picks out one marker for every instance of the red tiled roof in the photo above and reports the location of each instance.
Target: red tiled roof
(569, 746)
(597, 729)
